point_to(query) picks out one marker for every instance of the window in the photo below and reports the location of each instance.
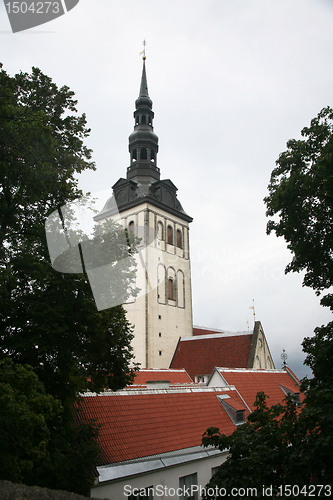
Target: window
(134, 155)
(215, 470)
(143, 119)
(186, 484)
(295, 395)
(160, 230)
(131, 226)
(143, 154)
(170, 235)
(160, 335)
(235, 411)
(160, 353)
(171, 289)
(179, 239)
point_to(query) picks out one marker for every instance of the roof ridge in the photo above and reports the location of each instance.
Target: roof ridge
(171, 390)
(223, 334)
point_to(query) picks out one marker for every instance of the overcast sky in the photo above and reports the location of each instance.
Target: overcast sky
(231, 81)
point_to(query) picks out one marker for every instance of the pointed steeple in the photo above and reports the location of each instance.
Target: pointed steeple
(144, 85)
(143, 183)
(143, 142)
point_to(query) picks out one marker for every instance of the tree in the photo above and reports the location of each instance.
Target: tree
(301, 195)
(284, 444)
(263, 453)
(49, 319)
(25, 412)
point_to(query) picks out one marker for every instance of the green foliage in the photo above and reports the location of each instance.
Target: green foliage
(25, 414)
(265, 451)
(49, 319)
(285, 444)
(301, 195)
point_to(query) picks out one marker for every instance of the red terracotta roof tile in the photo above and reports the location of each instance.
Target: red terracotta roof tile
(249, 382)
(199, 355)
(173, 376)
(146, 424)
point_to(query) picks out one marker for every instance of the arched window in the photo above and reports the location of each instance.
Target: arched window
(179, 239)
(131, 226)
(134, 155)
(137, 120)
(170, 235)
(143, 119)
(171, 289)
(149, 120)
(143, 154)
(160, 230)
(152, 156)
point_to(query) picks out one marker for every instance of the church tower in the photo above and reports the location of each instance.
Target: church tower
(148, 206)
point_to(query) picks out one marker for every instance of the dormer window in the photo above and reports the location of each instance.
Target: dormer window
(295, 395)
(235, 410)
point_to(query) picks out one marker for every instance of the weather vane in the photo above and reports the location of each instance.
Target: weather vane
(144, 43)
(284, 357)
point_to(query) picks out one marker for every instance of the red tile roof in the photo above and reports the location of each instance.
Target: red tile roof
(154, 422)
(200, 354)
(200, 330)
(249, 382)
(143, 423)
(173, 376)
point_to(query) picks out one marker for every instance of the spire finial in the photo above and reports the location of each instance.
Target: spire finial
(144, 43)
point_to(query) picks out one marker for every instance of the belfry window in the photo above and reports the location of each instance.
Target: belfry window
(134, 155)
(179, 239)
(143, 119)
(149, 120)
(152, 156)
(143, 154)
(170, 235)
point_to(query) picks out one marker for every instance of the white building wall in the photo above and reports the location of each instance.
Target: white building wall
(262, 357)
(163, 481)
(158, 321)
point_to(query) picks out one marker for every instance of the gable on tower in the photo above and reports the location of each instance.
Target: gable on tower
(200, 353)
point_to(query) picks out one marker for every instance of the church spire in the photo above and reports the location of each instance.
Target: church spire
(143, 142)
(144, 85)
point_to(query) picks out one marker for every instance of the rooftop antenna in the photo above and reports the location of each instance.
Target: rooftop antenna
(144, 43)
(284, 357)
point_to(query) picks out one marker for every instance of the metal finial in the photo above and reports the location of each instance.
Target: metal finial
(144, 43)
